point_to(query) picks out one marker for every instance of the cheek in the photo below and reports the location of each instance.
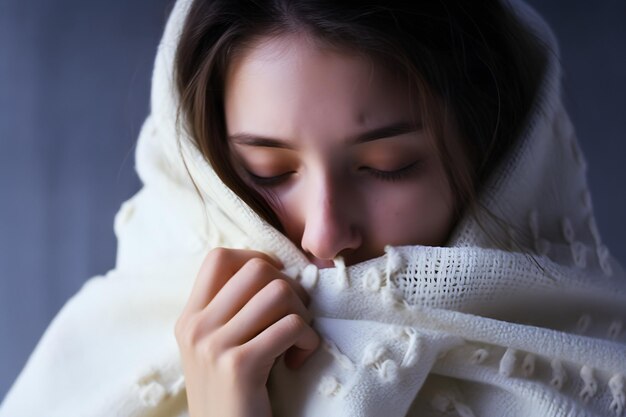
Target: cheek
(412, 212)
(288, 204)
(418, 213)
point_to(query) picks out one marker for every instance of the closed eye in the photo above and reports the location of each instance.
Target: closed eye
(269, 181)
(393, 175)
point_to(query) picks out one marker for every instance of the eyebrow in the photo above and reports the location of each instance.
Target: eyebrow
(383, 132)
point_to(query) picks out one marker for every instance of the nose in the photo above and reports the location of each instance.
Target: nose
(330, 224)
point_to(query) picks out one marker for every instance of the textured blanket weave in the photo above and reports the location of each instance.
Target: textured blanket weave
(531, 326)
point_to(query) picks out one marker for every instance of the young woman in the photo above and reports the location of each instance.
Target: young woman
(396, 218)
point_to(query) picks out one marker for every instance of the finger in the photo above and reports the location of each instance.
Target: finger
(296, 357)
(217, 268)
(289, 331)
(275, 301)
(252, 278)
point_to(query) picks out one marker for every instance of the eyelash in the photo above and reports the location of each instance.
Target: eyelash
(268, 181)
(391, 176)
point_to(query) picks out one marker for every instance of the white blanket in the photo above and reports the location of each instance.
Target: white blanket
(469, 329)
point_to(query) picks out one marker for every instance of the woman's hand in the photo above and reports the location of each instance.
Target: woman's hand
(242, 314)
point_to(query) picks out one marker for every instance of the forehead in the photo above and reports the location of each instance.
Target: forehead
(294, 86)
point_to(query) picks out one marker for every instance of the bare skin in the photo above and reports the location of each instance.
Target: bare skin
(338, 144)
(242, 315)
(335, 145)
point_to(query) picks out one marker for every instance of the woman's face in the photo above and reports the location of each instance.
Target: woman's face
(334, 143)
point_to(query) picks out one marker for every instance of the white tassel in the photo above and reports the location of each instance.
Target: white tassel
(329, 386)
(479, 356)
(292, 272)
(595, 233)
(372, 280)
(391, 298)
(579, 254)
(615, 329)
(578, 156)
(177, 386)
(559, 376)
(343, 360)
(342, 273)
(616, 385)
(591, 385)
(394, 261)
(373, 353)
(445, 402)
(409, 333)
(463, 410)
(583, 323)
(397, 332)
(585, 198)
(152, 375)
(387, 370)
(568, 230)
(410, 357)
(528, 365)
(309, 276)
(152, 394)
(604, 258)
(602, 252)
(441, 403)
(507, 363)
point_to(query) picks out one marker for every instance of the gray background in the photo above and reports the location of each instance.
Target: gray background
(74, 86)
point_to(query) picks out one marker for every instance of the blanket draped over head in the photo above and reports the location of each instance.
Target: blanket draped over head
(530, 327)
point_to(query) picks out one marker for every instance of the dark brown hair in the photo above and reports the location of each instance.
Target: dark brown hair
(471, 60)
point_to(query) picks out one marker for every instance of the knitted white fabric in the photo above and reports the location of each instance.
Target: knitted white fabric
(470, 330)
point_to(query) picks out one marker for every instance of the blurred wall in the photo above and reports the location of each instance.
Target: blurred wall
(74, 85)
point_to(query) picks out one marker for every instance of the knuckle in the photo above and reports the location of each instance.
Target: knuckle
(209, 350)
(280, 289)
(258, 266)
(295, 322)
(234, 360)
(219, 253)
(187, 331)
(212, 261)
(215, 256)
